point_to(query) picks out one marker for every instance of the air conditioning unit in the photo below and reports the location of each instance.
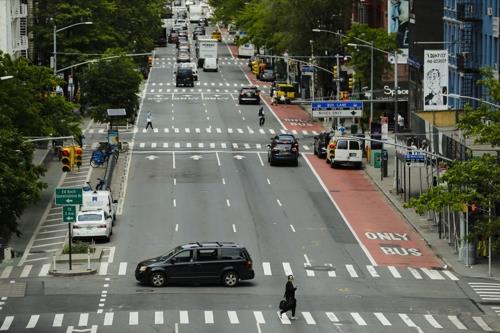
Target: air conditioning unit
(489, 11)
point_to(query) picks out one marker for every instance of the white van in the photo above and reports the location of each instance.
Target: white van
(99, 200)
(210, 64)
(344, 151)
(246, 51)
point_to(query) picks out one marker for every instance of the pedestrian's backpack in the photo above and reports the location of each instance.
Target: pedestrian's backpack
(283, 304)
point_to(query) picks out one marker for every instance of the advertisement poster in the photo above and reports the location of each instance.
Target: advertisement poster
(398, 21)
(435, 80)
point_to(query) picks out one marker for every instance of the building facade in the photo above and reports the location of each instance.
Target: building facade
(14, 28)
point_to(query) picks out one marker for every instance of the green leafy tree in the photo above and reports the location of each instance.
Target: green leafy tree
(108, 84)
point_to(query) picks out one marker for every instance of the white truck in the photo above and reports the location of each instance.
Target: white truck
(195, 13)
(205, 48)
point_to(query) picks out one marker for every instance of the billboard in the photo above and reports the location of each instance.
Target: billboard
(435, 80)
(398, 21)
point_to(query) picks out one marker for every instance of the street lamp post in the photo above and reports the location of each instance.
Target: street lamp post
(54, 33)
(6, 77)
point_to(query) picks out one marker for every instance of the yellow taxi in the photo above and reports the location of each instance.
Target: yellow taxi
(217, 35)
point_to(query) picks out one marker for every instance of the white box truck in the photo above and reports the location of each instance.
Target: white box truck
(195, 13)
(205, 48)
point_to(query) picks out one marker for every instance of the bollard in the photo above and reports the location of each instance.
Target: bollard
(88, 258)
(54, 263)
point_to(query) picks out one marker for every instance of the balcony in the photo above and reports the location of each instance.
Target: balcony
(469, 11)
(21, 43)
(19, 10)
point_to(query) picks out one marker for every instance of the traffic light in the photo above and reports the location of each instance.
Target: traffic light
(78, 152)
(335, 71)
(67, 158)
(351, 82)
(344, 95)
(150, 61)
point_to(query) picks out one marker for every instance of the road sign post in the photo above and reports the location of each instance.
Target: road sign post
(69, 214)
(69, 196)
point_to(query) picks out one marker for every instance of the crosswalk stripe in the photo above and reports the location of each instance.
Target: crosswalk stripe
(272, 131)
(309, 272)
(183, 317)
(212, 144)
(83, 320)
(287, 268)
(258, 146)
(433, 322)
(6, 272)
(200, 145)
(380, 316)
(407, 320)
(283, 131)
(372, 271)
(122, 270)
(415, 273)
(262, 131)
(240, 130)
(209, 130)
(304, 132)
(58, 319)
(142, 145)
(33, 321)
(433, 274)
(108, 318)
(159, 318)
(188, 145)
(218, 130)
(103, 268)
(294, 132)
(209, 317)
(166, 130)
(394, 272)
(284, 319)
(176, 130)
(246, 145)
(458, 324)
(233, 317)
(450, 275)
(223, 145)
(251, 131)
(133, 318)
(6, 323)
(358, 319)
(153, 144)
(267, 268)
(187, 130)
(44, 271)
(332, 317)
(165, 144)
(235, 145)
(309, 318)
(230, 130)
(351, 270)
(482, 324)
(197, 130)
(177, 145)
(331, 273)
(155, 130)
(26, 271)
(259, 317)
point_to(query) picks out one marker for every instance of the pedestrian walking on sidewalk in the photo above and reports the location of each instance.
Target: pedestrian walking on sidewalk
(262, 119)
(149, 121)
(289, 303)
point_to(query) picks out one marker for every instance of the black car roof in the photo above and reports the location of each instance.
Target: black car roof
(210, 244)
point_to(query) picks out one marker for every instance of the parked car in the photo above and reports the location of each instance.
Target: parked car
(267, 75)
(224, 262)
(321, 143)
(183, 56)
(344, 151)
(283, 148)
(249, 95)
(92, 224)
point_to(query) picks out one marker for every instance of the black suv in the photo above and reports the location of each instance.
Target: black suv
(249, 94)
(226, 262)
(283, 148)
(320, 144)
(184, 77)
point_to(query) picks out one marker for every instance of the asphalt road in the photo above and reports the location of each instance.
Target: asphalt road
(178, 193)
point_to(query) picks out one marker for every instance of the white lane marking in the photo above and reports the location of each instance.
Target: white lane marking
(133, 318)
(306, 147)
(108, 318)
(235, 145)
(291, 227)
(458, 324)
(165, 144)
(142, 144)
(380, 316)
(197, 130)
(234, 228)
(246, 145)
(153, 144)
(332, 317)
(260, 159)
(482, 324)
(358, 319)
(272, 131)
(268, 181)
(33, 321)
(166, 130)
(218, 130)
(209, 317)
(228, 203)
(258, 146)
(84, 319)
(223, 181)
(26, 271)
(183, 317)
(287, 268)
(201, 144)
(415, 273)
(230, 130)
(309, 272)
(175, 181)
(284, 319)
(173, 160)
(259, 317)
(58, 319)
(309, 318)
(331, 273)
(218, 159)
(6, 323)
(103, 268)
(111, 256)
(123, 268)
(394, 272)
(212, 145)
(262, 131)
(174, 202)
(450, 275)
(279, 202)
(372, 271)
(432, 321)
(223, 145)
(188, 145)
(233, 317)
(44, 271)
(407, 320)
(266, 266)
(187, 130)
(176, 227)
(433, 274)
(352, 271)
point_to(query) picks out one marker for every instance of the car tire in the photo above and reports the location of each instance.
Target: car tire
(158, 279)
(230, 279)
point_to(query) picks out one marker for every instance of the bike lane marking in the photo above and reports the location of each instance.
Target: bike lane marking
(375, 223)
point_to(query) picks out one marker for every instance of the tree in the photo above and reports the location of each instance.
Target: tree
(112, 83)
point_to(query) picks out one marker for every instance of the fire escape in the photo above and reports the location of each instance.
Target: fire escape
(20, 27)
(469, 14)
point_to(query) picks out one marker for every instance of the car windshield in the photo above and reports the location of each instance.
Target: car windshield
(89, 217)
(283, 146)
(248, 91)
(286, 138)
(171, 253)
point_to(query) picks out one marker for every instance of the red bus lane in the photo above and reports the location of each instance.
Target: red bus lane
(384, 233)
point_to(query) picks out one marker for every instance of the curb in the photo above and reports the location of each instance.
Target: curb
(73, 272)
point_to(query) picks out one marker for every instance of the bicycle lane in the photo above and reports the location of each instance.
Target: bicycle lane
(384, 235)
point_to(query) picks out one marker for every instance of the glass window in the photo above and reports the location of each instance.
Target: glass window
(206, 254)
(231, 254)
(89, 217)
(354, 145)
(184, 256)
(341, 144)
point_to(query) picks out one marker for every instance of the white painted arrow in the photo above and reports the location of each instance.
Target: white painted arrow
(196, 157)
(238, 157)
(151, 157)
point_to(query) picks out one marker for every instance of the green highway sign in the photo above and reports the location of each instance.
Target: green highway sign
(68, 196)
(69, 214)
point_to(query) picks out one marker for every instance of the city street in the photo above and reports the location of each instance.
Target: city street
(202, 174)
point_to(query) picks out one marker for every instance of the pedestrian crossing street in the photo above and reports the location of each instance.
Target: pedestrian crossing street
(487, 291)
(265, 269)
(268, 319)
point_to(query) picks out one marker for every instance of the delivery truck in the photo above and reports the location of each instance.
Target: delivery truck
(205, 48)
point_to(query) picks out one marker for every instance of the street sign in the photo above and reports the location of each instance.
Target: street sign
(415, 159)
(69, 214)
(307, 70)
(68, 196)
(346, 109)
